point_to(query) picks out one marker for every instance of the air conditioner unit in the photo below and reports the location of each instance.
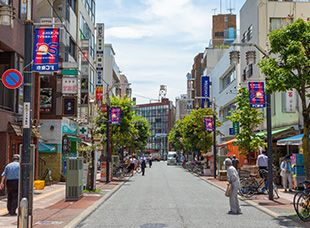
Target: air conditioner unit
(74, 183)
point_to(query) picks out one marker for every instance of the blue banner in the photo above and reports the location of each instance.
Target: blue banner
(205, 91)
(46, 50)
(257, 94)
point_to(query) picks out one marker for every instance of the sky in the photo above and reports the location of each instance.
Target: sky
(155, 41)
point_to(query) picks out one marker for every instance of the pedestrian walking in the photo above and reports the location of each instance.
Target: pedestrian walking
(132, 162)
(143, 165)
(150, 161)
(235, 162)
(286, 173)
(10, 177)
(233, 179)
(262, 163)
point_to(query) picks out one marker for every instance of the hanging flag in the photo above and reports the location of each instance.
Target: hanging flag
(115, 115)
(208, 121)
(46, 49)
(205, 91)
(257, 94)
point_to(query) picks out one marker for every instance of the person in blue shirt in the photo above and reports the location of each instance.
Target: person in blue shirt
(11, 176)
(286, 173)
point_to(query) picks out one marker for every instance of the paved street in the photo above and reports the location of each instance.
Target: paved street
(171, 197)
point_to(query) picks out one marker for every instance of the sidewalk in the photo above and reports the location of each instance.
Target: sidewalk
(51, 209)
(278, 208)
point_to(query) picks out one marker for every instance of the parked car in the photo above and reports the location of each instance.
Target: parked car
(172, 158)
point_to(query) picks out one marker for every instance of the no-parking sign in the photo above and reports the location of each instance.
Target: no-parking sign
(12, 79)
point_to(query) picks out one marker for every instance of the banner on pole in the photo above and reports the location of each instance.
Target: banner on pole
(115, 115)
(208, 121)
(257, 94)
(46, 50)
(205, 91)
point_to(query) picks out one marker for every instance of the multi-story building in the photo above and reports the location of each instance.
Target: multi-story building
(111, 71)
(257, 20)
(11, 100)
(124, 89)
(67, 95)
(161, 117)
(223, 29)
(181, 107)
(197, 71)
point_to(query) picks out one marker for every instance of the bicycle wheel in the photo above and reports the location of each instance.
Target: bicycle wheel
(248, 187)
(303, 207)
(296, 196)
(139, 170)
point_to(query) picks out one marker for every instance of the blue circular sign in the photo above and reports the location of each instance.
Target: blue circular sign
(12, 79)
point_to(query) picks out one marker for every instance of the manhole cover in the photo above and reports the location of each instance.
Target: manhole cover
(49, 223)
(153, 225)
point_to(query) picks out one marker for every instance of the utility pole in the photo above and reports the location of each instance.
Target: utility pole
(26, 164)
(269, 145)
(214, 137)
(109, 148)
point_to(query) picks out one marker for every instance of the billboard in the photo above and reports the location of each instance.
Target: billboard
(46, 49)
(257, 94)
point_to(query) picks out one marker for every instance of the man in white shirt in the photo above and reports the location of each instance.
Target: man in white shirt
(262, 163)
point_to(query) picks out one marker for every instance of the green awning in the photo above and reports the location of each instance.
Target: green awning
(74, 138)
(274, 132)
(44, 148)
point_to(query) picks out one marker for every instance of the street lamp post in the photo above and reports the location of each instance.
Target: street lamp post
(26, 164)
(251, 57)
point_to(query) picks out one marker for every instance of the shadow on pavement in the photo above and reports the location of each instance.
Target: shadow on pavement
(291, 221)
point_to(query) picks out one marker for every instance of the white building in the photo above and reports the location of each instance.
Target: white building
(181, 107)
(257, 19)
(111, 72)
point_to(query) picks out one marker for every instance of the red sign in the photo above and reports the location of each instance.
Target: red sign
(12, 79)
(99, 93)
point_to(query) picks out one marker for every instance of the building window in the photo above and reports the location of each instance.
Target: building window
(250, 33)
(72, 48)
(278, 23)
(226, 111)
(228, 79)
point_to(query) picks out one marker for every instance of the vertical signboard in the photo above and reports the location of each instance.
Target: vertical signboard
(289, 101)
(205, 91)
(208, 121)
(46, 50)
(257, 94)
(115, 115)
(99, 67)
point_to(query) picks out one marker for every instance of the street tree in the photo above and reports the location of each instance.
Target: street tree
(140, 131)
(289, 69)
(249, 119)
(190, 134)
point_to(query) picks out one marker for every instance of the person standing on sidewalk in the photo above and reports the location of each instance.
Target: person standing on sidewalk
(262, 163)
(143, 165)
(233, 179)
(235, 162)
(11, 176)
(286, 173)
(150, 161)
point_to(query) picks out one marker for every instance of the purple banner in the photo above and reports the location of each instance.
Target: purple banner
(208, 121)
(115, 115)
(257, 94)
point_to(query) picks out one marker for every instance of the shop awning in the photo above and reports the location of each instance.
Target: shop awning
(274, 132)
(44, 148)
(227, 142)
(294, 140)
(18, 130)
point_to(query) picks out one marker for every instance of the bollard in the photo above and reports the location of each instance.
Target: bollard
(23, 213)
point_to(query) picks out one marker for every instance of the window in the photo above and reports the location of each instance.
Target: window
(277, 23)
(72, 48)
(226, 111)
(228, 79)
(249, 33)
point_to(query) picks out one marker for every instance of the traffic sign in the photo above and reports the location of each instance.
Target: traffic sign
(12, 79)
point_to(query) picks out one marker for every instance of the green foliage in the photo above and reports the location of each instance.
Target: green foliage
(189, 134)
(249, 119)
(132, 132)
(290, 69)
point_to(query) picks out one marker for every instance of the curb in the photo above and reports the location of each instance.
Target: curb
(254, 204)
(81, 217)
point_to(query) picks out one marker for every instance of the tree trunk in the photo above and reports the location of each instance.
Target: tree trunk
(305, 144)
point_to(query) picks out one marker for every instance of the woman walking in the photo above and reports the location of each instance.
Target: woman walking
(286, 173)
(233, 179)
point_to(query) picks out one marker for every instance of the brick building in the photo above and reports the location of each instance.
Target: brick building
(223, 29)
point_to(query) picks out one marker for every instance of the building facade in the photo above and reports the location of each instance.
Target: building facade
(181, 109)
(223, 29)
(161, 118)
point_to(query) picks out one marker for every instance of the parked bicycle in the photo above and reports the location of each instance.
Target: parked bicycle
(250, 186)
(301, 202)
(121, 171)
